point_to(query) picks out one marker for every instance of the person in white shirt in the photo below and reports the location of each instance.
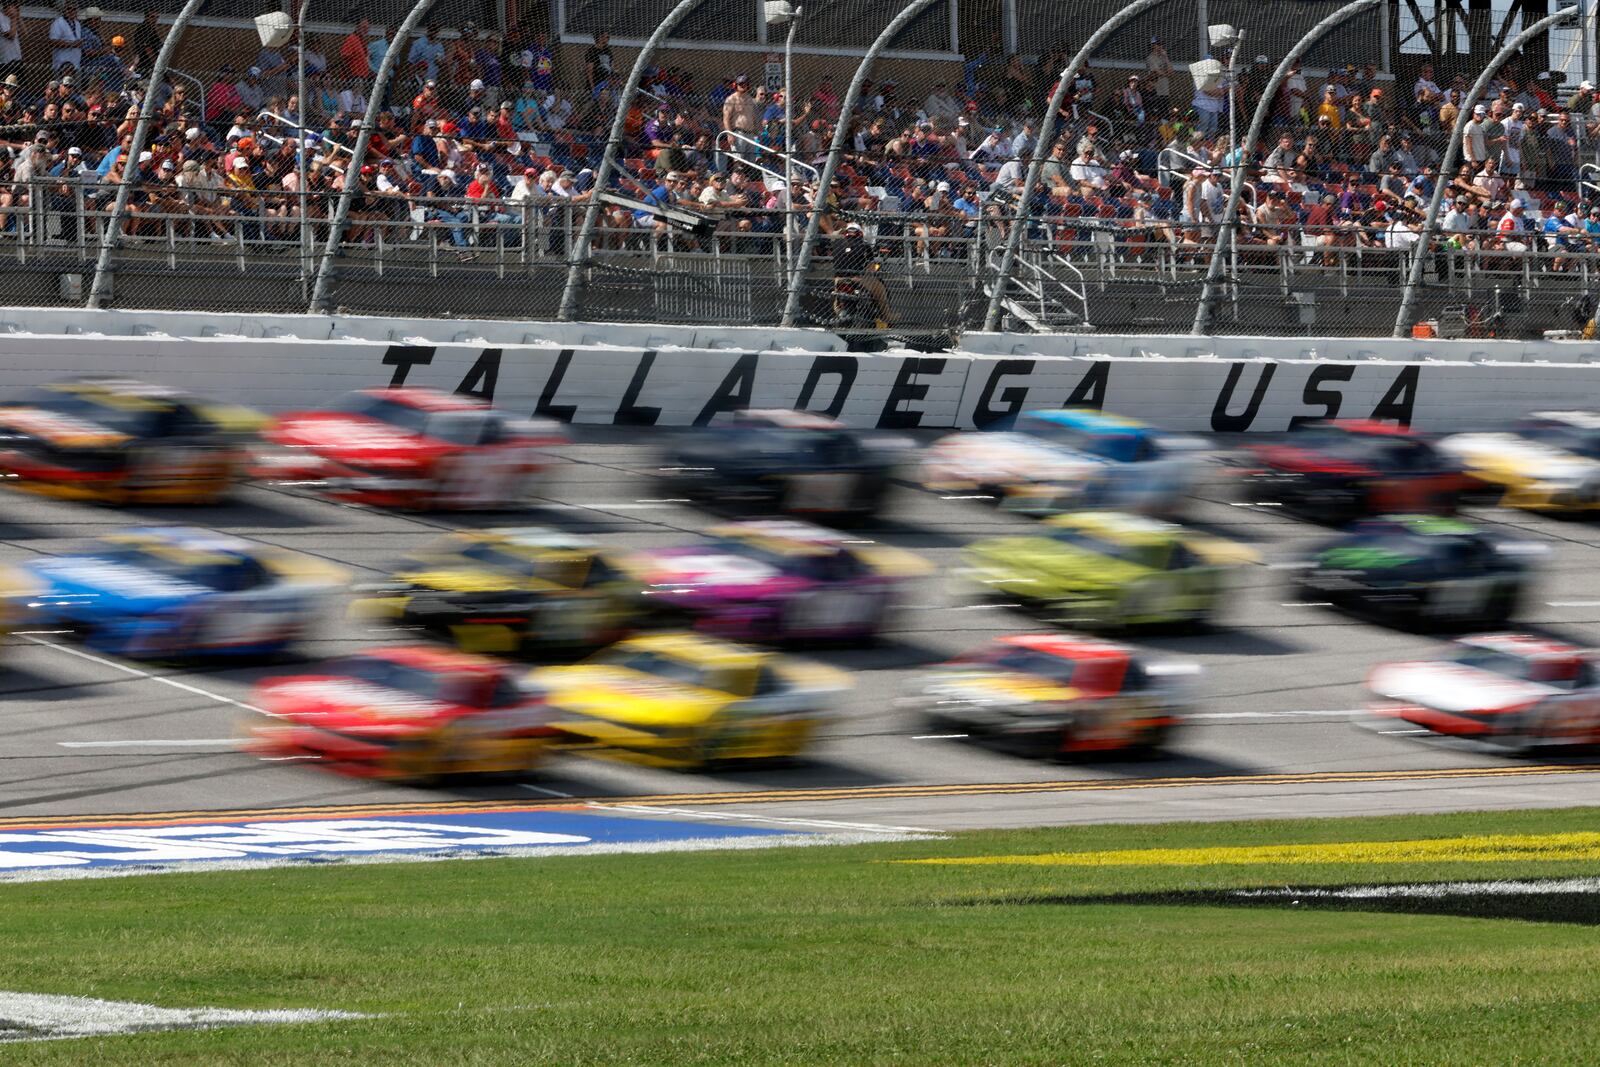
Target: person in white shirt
(66, 39)
(11, 40)
(1473, 143)
(1213, 198)
(1401, 235)
(1511, 152)
(1010, 176)
(941, 105)
(1088, 172)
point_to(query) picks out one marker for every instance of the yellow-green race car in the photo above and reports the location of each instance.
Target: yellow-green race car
(511, 591)
(1108, 570)
(688, 701)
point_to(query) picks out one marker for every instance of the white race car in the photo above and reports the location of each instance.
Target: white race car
(1513, 691)
(1069, 460)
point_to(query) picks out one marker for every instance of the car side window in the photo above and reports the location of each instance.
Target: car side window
(600, 572)
(569, 571)
(505, 693)
(769, 683)
(493, 431)
(1135, 678)
(1182, 558)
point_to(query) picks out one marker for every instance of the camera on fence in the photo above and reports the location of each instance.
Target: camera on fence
(691, 222)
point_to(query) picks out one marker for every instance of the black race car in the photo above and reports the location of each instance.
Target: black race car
(1420, 571)
(783, 462)
(1337, 472)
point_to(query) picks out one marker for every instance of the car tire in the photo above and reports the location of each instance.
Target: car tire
(1503, 604)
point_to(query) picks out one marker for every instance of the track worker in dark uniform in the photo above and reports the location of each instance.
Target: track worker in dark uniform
(853, 262)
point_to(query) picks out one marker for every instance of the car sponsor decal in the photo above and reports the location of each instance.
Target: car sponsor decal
(113, 849)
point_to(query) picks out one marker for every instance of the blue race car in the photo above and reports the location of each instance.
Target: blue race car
(178, 592)
(1069, 460)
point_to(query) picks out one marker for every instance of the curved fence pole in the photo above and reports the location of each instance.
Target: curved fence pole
(1230, 215)
(1041, 148)
(130, 161)
(358, 154)
(608, 158)
(1402, 319)
(802, 263)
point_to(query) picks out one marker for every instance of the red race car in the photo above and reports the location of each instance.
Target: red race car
(412, 448)
(1336, 472)
(408, 713)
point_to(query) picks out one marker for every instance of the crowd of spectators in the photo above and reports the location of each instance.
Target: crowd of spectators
(484, 133)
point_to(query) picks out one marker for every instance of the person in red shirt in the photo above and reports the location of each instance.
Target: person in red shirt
(484, 197)
(353, 52)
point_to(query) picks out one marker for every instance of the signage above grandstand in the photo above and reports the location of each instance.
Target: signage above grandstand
(902, 391)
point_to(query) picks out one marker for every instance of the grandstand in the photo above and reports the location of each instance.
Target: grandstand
(487, 141)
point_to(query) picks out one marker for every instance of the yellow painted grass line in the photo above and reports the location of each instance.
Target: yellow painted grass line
(1492, 848)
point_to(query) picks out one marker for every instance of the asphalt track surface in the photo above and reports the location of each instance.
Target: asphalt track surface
(1277, 733)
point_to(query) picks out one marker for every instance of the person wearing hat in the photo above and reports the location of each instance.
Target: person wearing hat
(1511, 232)
(1561, 149)
(1513, 126)
(740, 112)
(853, 274)
(1583, 100)
(1159, 73)
(1475, 137)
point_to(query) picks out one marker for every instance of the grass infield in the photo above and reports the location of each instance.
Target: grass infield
(837, 956)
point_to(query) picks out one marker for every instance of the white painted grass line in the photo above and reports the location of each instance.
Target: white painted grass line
(187, 742)
(125, 669)
(43, 1017)
(1430, 890)
(827, 824)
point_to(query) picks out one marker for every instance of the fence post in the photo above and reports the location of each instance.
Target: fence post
(130, 162)
(1230, 215)
(608, 158)
(358, 155)
(1047, 126)
(1402, 319)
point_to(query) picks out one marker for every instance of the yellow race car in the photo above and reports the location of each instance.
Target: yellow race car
(1107, 569)
(122, 442)
(512, 590)
(1548, 462)
(688, 701)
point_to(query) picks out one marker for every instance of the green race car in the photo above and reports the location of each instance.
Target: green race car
(1108, 570)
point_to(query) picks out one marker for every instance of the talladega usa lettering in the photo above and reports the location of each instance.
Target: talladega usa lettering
(1233, 397)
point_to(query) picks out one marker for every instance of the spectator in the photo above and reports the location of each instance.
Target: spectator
(1427, 99)
(252, 95)
(1210, 97)
(147, 37)
(598, 63)
(66, 40)
(222, 98)
(1159, 74)
(1088, 172)
(1450, 110)
(1475, 137)
(1329, 113)
(1130, 100)
(740, 113)
(354, 63)
(425, 53)
(941, 104)
(1511, 233)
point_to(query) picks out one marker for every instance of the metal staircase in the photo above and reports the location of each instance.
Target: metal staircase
(1047, 294)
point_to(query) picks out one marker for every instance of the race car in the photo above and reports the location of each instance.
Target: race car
(1058, 695)
(1057, 461)
(177, 592)
(1422, 570)
(513, 590)
(689, 701)
(778, 580)
(1550, 462)
(410, 713)
(783, 462)
(1509, 690)
(123, 442)
(16, 590)
(1108, 569)
(411, 448)
(1336, 472)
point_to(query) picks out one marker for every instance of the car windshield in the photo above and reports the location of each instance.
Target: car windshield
(1340, 444)
(1565, 436)
(1029, 661)
(499, 559)
(132, 416)
(1145, 555)
(392, 675)
(1068, 437)
(400, 416)
(657, 664)
(1373, 552)
(222, 575)
(1495, 662)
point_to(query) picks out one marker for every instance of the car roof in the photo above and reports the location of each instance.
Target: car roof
(1371, 426)
(697, 648)
(792, 535)
(530, 540)
(1091, 421)
(787, 419)
(156, 397)
(1068, 646)
(1120, 527)
(1525, 645)
(223, 548)
(424, 399)
(437, 659)
(1584, 420)
(1424, 525)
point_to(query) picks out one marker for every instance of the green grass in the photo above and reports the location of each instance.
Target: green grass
(822, 956)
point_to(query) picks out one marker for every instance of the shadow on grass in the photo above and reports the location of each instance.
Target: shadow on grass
(1554, 900)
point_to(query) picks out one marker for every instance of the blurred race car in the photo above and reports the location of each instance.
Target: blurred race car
(1550, 462)
(789, 462)
(175, 592)
(1421, 570)
(16, 589)
(520, 590)
(1336, 472)
(1513, 691)
(1101, 569)
(414, 714)
(1059, 694)
(778, 580)
(690, 701)
(123, 442)
(1058, 461)
(412, 448)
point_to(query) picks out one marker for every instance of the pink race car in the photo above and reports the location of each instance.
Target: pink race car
(778, 581)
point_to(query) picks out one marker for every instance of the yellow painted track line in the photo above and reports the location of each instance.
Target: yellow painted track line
(817, 795)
